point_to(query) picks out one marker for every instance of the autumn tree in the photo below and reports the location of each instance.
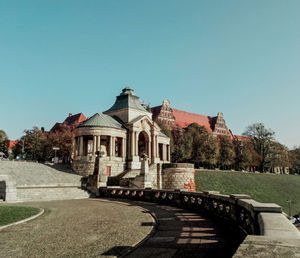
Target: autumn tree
(32, 145)
(227, 152)
(182, 150)
(63, 139)
(3, 142)
(246, 158)
(211, 149)
(261, 139)
(279, 156)
(295, 154)
(196, 145)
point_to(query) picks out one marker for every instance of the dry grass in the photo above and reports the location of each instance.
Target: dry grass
(76, 228)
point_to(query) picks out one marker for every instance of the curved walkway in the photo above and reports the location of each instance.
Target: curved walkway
(183, 233)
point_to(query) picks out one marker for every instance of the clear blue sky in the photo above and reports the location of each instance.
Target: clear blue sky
(239, 57)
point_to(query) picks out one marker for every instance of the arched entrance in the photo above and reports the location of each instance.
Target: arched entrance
(143, 143)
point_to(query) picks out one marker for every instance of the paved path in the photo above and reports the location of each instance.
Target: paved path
(182, 233)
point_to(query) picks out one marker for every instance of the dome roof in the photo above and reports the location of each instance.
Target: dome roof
(127, 99)
(101, 120)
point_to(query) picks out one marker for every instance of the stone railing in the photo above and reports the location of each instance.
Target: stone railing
(265, 226)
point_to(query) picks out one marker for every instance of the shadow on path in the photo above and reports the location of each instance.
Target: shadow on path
(181, 233)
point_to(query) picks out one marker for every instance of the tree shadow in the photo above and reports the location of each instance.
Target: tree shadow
(66, 168)
(117, 251)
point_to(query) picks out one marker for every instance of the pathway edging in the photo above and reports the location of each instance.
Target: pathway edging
(152, 232)
(24, 220)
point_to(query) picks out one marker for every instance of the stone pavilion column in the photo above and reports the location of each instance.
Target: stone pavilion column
(94, 145)
(98, 142)
(80, 145)
(149, 148)
(156, 147)
(132, 144)
(113, 146)
(110, 147)
(137, 144)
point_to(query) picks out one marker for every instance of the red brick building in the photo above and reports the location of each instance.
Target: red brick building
(177, 118)
(72, 120)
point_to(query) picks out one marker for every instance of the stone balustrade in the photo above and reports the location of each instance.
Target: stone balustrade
(265, 229)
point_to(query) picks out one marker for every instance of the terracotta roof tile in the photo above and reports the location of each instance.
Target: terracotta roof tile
(78, 118)
(239, 137)
(12, 143)
(183, 119)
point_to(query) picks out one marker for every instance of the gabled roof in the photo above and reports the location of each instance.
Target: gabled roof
(127, 99)
(55, 127)
(183, 119)
(72, 119)
(101, 120)
(242, 138)
(140, 118)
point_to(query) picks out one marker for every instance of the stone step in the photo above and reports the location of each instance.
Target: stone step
(40, 194)
(132, 173)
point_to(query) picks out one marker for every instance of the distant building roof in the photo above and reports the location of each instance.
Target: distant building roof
(101, 120)
(73, 119)
(242, 138)
(155, 111)
(127, 99)
(184, 119)
(70, 120)
(12, 143)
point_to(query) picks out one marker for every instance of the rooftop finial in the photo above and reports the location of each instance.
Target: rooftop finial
(127, 91)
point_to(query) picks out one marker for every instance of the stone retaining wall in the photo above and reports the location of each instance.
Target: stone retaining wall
(86, 167)
(268, 232)
(7, 189)
(178, 176)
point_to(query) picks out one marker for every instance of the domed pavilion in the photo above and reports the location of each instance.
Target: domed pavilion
(121, 135)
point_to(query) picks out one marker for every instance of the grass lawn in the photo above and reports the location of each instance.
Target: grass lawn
(10, 214)
(261, 187)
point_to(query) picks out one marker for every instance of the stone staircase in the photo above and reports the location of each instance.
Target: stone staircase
(132, 178)
(128, 176)
(137, 182)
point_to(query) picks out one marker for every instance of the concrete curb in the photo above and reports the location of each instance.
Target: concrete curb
(24, 220)
(151, 233)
